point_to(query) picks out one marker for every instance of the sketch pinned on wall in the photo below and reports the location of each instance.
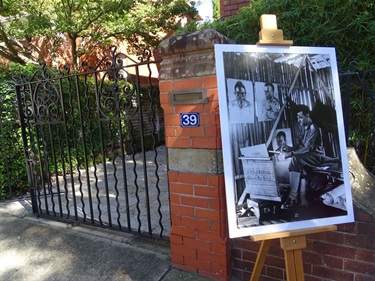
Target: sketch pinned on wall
(241, 101)
(286, 166)
(267, 102)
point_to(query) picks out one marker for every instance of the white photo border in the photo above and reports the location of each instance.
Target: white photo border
(230, 156)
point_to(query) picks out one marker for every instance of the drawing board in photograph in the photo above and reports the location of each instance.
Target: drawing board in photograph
(284, 148)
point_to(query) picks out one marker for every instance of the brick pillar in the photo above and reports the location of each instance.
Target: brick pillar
(199, 235)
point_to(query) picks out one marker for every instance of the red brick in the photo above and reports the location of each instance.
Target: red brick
(183, 231)
(312, 257)
(267, 278)
(213, 258)
(276, 250)
(186, 268)
(194, 223)
(207, 214)
(360, 241)
(177, 259)
(215, 226)
(203, 142)
(165, 86)
(363, 216)
(194, 201)
(275, 272)
(183, 108)
(175, 220)
(245, 265)
(209, 119)
(182, 210)
(220, 249)
(181, 188)
(193, 178)
(210, 82)
(249, 255)
(333, 237)
(198, 264)
(196, 244)
(333, 262)
(175, 198)
(168, 109)
(217, 204)
(350, 228)
(275, 261)
(209, 236)
(188, 84)
(172, 120)
(246, 244)
(170, 131)
(216, 180)
(190, 132)
(311, 278)
(183, 251)
(213, 97)
(221, 270)
(336, 250)
(361, 277)
(366, 268)
(175, 239)
(365, 255)
(211, 131)
(332, 274)
(174, 142)
(206, 191)
(211, 108)
(164, 98)
(365, 228)
(173, 176)
(307, 268)
(213, 276)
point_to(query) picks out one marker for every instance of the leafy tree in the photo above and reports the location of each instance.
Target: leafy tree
(86, 23)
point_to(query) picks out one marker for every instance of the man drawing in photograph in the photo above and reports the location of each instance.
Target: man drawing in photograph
(304, 152)
(305, 155)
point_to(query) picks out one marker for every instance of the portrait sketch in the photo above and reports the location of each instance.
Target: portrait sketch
(241, 101)
(285, 161)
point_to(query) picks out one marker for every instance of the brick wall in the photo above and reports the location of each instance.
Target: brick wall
(347, 254)
(230, 7)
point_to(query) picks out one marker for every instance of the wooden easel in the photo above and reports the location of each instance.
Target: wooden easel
(292, 242)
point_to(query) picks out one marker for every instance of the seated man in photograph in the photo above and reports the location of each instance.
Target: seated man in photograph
(303, 153)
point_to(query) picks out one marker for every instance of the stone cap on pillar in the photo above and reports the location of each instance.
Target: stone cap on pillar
(190, 55)
(192, 42)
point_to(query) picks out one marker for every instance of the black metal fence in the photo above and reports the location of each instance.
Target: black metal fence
(91, 141)
(358, 95)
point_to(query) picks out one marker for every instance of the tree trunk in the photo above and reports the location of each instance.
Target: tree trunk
(73, 46)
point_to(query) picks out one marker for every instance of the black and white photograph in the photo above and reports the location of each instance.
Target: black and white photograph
(284, 149)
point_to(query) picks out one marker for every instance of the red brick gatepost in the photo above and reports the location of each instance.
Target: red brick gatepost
(199, 233)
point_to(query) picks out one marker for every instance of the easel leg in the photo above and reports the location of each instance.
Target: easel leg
(264, 247)
(293, 256)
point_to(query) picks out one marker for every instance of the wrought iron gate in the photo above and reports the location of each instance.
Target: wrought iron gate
(92, 145)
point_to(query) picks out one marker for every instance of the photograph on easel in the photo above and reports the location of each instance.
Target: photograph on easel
(284, 148)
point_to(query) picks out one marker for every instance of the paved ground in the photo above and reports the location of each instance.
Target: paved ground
(99, 193)
(42, 250)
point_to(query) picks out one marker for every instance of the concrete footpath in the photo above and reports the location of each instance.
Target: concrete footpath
(33, 249)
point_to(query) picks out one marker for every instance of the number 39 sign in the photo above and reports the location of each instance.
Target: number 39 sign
(189, 119)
